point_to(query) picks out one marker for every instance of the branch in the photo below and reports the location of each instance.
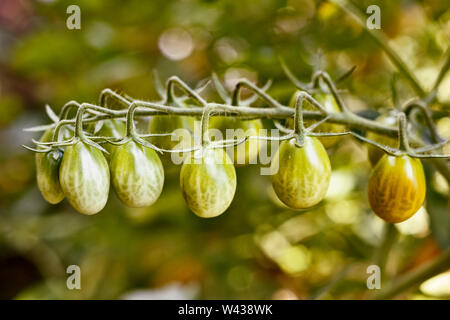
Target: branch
(382, 41)
(88, 113)
(415, 277)
(443, 71)
(381, 255)
(419, 105)
(243, 112)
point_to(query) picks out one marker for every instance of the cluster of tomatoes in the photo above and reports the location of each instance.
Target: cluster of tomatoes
(82, 173)
(396, 188)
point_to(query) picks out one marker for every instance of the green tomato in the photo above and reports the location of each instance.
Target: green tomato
(168, 124)
(246, 152)
(208, 182)
(47, 175)
(329, 103)
(84, 177)
(111, 128)
(47, 169)
(302, 174)
(137, 174)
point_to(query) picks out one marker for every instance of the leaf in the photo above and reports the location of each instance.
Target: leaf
(158, 84)
(224, 95)
(255, 96)
(296, 82)
(346, 74)
(202, 85)
(39, 128)
(98, 126)
(51, 114)
(95, 145)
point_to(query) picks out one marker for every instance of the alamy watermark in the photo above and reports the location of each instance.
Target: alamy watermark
(73, 21)
(374, 280)
(374, 20)
(73, 281)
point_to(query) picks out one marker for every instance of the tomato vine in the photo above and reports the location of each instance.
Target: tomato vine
(295, 141)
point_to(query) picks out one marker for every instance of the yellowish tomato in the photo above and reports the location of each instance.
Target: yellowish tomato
(397, 188)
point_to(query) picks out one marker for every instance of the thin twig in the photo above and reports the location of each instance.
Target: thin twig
(382, 41)
(381, 255)
(415, 277)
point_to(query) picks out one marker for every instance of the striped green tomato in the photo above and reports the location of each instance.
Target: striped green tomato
(84, 177)
(47, 175)
(301, 174)
(47, 169)
(137, 174)
(111, 128)
(246, 152)
(168, 124)
(208, 182)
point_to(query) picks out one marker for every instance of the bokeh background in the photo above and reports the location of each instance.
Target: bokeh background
(258, 249)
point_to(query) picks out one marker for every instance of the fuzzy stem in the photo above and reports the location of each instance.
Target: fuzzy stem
(299, 127)
(204, 125)
(419, 105)
(79, 123)
(245, 83)
(184, 87)
(327, 79)
(402, 133)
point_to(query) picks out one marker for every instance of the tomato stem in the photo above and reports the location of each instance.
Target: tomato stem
(174, 80)
(402, 133)
(299, 127)
(111, 94)
(298, 84)
(204, 125)
(331, 86)
(259, 92)
(62, 116)
(242, 109)
(415, 104)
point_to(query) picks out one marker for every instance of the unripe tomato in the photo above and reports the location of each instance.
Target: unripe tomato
(168, 124)
(111, 128)
(84, 177)
(303, 174)
(137, 174)
(246, 152)
(374, 154)
(329, 103)
(47, 170)
(47, 175)
(397, 188)
(208, 182)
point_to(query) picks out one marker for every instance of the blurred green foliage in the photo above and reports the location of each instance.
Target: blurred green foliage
(258, 249)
